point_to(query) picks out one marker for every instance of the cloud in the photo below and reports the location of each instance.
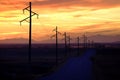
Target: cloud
(79, 3)
(107, 28)
(17, 4)
(12, 33)
(77, 15)
(9, 5)
(7, 16)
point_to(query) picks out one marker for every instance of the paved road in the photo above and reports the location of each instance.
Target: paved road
(79, 68)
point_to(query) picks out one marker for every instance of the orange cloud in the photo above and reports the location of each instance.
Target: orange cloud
(77, 16)
(55, 4)
(77, 3)
(108, 28)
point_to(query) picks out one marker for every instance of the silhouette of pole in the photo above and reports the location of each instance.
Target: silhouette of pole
(56, 36)
(78, 39)
(84, 41)
(69, 43)
(69, 39)
(30, 31)
(92, 43)
(31, 13)
(89, 44)
(65, 39)
(56, 46)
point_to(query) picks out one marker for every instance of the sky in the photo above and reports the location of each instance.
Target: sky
(76, 17)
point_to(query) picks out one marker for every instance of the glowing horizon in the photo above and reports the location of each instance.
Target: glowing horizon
(72, 16)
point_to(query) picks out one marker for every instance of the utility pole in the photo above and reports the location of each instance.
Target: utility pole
(56, 35)
(85, 41)
(69, 43)
(92, 44)
(31, 13)
(69, 39)
(89, 43)
(78, 41)
(56, 46)
(65, 39)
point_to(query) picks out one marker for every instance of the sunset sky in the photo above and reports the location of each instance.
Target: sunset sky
(93, 17)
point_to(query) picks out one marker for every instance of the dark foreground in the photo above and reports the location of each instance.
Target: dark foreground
(14, 62)
(106, 64)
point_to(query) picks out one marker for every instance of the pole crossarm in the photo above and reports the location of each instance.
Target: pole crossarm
(26, 9)
(26, 19)
(53, 36)
(33, 13)
(55, 30)
(29, 10)
(64, 36)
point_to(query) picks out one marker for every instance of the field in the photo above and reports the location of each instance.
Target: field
(106, 64)
(14, 60)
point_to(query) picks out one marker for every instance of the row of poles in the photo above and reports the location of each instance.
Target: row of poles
(66, 38)
(67, 41)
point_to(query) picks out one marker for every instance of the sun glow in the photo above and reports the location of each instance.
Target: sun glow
(66, 15)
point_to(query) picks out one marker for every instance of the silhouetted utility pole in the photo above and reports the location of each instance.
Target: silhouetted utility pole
(31, 13)
(65, 39)
(89, 44)
(69, 44)
(56, 35)
(92, 44)
(69, 39)
(56, 46)
(78, 44)
(85, 41)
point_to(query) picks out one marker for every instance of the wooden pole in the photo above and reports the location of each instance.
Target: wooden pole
(56, 46)
(30, 34)
(78, 39)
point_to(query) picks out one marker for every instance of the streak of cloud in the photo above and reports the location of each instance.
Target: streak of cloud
(12, 33)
